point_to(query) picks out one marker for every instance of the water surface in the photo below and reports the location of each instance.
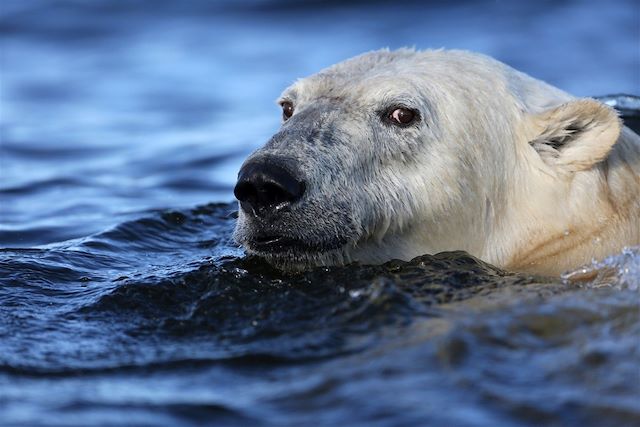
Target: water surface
(123, 300)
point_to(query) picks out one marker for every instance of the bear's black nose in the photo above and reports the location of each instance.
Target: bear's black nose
(264, 186)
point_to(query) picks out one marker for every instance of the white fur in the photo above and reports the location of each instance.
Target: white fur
(503, 166)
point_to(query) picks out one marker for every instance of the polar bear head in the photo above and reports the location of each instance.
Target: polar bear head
(394, 154)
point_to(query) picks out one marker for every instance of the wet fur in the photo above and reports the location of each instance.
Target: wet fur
(503, 166)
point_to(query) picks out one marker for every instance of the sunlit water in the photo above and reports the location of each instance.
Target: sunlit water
(123, 300)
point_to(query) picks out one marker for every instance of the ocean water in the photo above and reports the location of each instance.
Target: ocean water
(123, 300)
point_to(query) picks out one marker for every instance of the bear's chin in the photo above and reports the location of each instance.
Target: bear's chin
(297, 259)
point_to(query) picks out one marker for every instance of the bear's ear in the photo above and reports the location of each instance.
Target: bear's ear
(576, 135)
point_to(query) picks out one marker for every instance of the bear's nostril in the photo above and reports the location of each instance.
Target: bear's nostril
(264, 186)
(246, 192)
(275, 194)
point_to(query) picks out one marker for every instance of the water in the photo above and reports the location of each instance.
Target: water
(124, 302)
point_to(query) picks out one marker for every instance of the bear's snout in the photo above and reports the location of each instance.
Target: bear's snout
(264, 187)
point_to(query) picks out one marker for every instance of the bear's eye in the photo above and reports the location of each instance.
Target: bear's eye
(287, 110)
(401, 116)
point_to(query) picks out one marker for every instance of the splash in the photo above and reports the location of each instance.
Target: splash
(621, 271)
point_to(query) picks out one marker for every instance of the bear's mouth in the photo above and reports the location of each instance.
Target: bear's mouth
(279, 244)
(271, 242)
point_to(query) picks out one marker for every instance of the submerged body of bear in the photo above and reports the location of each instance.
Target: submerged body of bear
(391, 155)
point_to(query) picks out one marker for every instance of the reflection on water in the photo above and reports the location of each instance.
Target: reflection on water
(124, 302)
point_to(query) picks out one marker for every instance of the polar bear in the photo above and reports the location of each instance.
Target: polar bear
(396, 154)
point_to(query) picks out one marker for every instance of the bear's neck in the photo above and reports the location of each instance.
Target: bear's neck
(567, 224)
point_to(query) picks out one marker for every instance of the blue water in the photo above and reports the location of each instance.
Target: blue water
(123, 300)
